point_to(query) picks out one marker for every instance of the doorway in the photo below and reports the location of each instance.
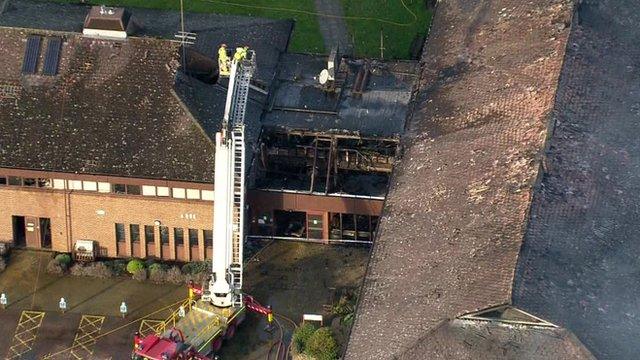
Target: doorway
(45, 233)
(19, 236)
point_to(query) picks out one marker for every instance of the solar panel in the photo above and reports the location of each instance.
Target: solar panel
(31, 53)
(52, 56)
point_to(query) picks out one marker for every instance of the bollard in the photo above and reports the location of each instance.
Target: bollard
(123, 309)
(3, 300)
(63, 305)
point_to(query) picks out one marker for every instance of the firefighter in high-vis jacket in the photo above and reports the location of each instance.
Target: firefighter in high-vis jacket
(241, 53)
(223, 60)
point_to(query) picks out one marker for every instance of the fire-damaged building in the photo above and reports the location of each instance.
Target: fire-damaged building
(107, 120)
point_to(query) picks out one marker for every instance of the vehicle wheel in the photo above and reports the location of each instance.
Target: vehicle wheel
(231, 330)
(217, 345)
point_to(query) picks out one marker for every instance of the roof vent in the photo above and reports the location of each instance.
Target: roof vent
(108, 22)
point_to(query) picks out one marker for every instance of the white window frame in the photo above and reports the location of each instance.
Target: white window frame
(74, 184)
(59, 184)
(207, 195)
(163, 191)
(148, 190)
(90, 185)
(179, 193)
(104, 187)
(193, 194)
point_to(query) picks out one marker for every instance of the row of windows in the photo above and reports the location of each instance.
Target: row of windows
(105, 187)
(149, 235)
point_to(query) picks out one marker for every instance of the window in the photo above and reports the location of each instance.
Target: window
(90, 185)
(193, 237)
(120, 233)
(208, 238)
(135, 233)
(162, 191)
(207, 195)
(120, 188)
(148, 190)
(44, 182)
(178, 193)
(58, 184)
(29, 182)
(75, 184)
(149, 236)
(15, 180)
(193, 194)
(178, 236)
(133, 189)
(164, 235)
(3, 180)
(104, 187)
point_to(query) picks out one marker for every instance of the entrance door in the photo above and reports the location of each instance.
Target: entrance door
(32, 231)
(45, 233)
(19, 236)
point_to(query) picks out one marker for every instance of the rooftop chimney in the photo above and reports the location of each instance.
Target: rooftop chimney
(107, 22)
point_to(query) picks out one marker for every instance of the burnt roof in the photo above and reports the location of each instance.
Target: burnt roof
(468, 340)
(454, 218)
(299, 103)
(579, 263)
(111, 110)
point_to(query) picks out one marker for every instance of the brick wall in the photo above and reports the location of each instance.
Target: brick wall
(94, 215)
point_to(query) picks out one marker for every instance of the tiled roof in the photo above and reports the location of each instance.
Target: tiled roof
(454, 218)
(579, 263)
(110, 110)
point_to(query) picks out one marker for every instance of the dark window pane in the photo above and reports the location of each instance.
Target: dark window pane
(133, 189)
(164, 235)
(193, 237)
(208, 238)
(29, 182)
(135, 233)
(15, 180)
(44, 182)
(3, 180)
(120, 233)
(119, 188)
(178, 236)
(148, 234)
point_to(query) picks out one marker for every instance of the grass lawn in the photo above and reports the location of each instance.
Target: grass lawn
(397, 39)
(306, 35)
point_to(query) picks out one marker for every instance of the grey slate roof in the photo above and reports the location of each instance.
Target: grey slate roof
(579, 263)
(454, 217)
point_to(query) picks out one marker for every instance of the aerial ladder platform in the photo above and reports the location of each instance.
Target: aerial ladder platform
(216, 309)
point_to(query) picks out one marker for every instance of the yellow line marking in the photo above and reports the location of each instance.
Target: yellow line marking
(88, 330)
(25, 334)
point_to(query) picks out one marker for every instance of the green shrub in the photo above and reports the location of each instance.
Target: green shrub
(321, 345)
(195, 267)
(301, 336)
(134, 266)
(155, 267)
(63, 259)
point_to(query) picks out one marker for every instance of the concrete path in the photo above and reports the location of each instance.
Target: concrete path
(334, 30)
